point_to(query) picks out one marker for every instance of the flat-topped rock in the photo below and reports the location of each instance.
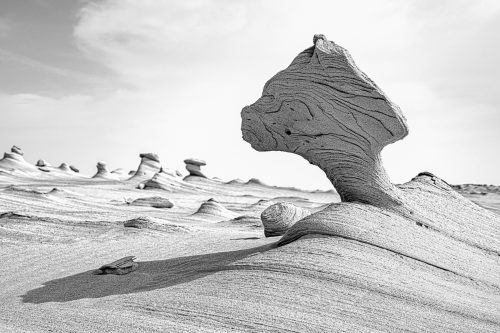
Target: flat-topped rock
(194, 165)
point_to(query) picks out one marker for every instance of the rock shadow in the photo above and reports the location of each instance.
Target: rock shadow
(150, 275)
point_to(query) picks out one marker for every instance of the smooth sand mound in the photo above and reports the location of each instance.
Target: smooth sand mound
(213, 210)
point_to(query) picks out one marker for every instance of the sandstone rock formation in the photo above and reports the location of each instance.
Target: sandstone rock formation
(119, 267)
(325, 109)
(150, 165)
(155, 202)
(16, 150)
(103, 171)
(194, 165)
(14, 161)
(278, 218)
(166, 180)
(42, 163)
(64, 167)
(74, 169)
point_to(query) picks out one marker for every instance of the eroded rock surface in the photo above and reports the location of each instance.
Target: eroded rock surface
(149, 166)
(194, 165)
(278, 218)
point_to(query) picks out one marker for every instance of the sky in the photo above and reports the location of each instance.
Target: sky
(85, 81)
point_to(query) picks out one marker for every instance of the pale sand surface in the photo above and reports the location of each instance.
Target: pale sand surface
(201, 273)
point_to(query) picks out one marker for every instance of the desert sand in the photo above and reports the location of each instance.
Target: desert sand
(423, 256)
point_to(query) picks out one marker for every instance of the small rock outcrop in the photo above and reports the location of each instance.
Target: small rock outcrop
(155, 202)
(139, 223)
(14, 161)
(164, 180)
(74, 169)
(278, 218)
(194, 165)
(42, 163)
(64, 167)
(149, 166)
(119, 267)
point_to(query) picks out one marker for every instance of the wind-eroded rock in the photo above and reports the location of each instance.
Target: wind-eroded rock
(103, 171)
(14, 161)
(42, 163)
(155, 202)
(278, 218)
(149, 166)
(194, 165)
(325, 109)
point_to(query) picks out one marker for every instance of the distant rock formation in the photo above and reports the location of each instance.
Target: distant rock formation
(14, 161)
(119, 267)
(213, 210)
(42, 163)
(236, 181)
(64, 167)
(278, 218)
(194, 165)
(17, 150)
(155, 202)
(150, 165)
(103, 171)
(74, 169)
(166, 179)
(255, 181)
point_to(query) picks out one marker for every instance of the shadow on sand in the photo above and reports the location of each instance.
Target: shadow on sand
(150, 275)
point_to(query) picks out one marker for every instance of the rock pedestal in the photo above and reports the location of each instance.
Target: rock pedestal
(194, 165)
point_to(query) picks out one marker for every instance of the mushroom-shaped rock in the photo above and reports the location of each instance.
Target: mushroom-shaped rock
(150, 165)
(213, 210)
(325, 109)
(42, 163)
(194, 165)
(119, 267)
(278, 218)
(103, 171)
(74, 169)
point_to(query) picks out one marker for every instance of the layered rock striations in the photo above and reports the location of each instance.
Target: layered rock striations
(325, 109)
(278, 218)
